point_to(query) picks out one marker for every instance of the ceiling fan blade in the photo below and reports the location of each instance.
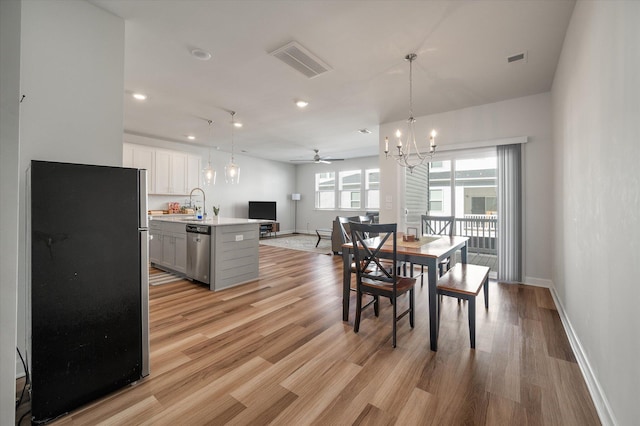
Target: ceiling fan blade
(318, 159)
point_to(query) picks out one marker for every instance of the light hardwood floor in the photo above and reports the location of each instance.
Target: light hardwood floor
(276, 351)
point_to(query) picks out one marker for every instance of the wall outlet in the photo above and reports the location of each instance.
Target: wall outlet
(239, 237)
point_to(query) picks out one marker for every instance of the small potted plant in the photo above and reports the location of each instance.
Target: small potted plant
(216, 211)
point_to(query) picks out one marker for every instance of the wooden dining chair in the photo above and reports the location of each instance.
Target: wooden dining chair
(365, 219)
(345, 230)
(437, 225)
(374, 278)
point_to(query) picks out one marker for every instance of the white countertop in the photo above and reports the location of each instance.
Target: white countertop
(211, 221)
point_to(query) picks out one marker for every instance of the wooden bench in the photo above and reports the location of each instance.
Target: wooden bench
(323, 234)
(464, 281)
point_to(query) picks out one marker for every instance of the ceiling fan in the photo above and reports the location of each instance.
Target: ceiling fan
(318, 159)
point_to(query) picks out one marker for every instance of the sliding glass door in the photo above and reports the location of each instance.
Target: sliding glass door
(464, 187)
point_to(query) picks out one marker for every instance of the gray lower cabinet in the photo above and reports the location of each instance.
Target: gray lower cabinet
(168, 246)
(236, 255)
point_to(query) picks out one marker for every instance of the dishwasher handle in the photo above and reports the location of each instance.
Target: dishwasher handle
(198, 229)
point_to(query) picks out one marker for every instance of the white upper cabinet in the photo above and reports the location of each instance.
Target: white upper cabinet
(171, 172)
(140, 157)
(168, 172)
(163, 172)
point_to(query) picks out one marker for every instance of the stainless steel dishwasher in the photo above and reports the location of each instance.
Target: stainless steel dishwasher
(199, 252)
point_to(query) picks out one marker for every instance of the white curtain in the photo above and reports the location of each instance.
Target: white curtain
(509, 213)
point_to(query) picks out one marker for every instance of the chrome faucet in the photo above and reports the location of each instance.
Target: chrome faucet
(204, 201)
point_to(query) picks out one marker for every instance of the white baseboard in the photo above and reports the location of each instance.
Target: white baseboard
(538, 282)
(597, 394)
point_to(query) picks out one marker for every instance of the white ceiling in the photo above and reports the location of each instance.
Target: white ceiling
(461, 45)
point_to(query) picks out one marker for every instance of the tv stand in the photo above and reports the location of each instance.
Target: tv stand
(269, 228)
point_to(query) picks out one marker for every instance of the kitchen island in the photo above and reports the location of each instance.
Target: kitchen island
(233, 243)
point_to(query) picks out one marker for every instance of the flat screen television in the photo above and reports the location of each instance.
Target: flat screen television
(262, 210)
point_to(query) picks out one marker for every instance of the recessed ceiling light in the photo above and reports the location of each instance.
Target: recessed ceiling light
(301, 103)
(139, 96)
(203, 55)
(364, 131)
(237, 124)
(191, 137)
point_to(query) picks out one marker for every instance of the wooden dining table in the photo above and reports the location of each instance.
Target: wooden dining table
(429, 250)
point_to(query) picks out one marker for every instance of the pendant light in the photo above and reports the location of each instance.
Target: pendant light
(409, 154)
(209, 173)
(232, 170)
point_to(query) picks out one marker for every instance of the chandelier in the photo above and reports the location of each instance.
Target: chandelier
(232, 170)
(409, 154)
(209, 173)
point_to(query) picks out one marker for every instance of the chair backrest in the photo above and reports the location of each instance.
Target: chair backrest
(438, 225)
(366, 252)
(345, 228)
(375, 216)
(365, 219)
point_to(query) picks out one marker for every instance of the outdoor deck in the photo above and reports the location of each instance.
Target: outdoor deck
(490, 260)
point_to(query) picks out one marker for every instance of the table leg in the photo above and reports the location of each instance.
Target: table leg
(463, 253)
(346, 283)
(318, 238)
(433, 305)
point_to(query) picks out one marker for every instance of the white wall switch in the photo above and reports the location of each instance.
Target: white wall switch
(239, 237)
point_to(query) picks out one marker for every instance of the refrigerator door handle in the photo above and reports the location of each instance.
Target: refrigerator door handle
(144, 293)
(143, 221)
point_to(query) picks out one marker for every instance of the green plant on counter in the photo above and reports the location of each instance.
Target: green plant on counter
(216, 210)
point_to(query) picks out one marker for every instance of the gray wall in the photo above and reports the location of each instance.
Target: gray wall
(9, 178)
(596, 238)
(72, 74)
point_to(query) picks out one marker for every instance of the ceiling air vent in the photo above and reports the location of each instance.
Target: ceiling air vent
(517, 57)
(299, 58)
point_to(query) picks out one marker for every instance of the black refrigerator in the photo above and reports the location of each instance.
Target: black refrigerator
(89, 289)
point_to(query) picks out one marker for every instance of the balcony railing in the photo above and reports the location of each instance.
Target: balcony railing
(481, 230)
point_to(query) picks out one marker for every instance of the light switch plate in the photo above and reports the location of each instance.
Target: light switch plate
(239, 237)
